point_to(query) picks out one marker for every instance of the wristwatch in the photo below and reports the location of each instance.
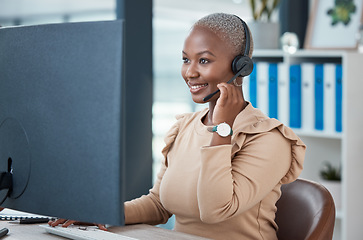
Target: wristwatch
(223, 130)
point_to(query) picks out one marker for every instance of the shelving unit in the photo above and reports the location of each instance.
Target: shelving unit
(344, 148)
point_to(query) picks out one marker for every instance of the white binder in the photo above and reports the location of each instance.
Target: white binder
(283, 97)
(329, 97)
(246, 88)
(262, 86)
(307, 95)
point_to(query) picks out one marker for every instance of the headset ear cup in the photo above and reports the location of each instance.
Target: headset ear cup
(236, 64)
(243, 63)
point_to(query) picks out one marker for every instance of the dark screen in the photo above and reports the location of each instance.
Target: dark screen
(62, 119)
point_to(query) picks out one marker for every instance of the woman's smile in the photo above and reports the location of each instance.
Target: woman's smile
(194, 88)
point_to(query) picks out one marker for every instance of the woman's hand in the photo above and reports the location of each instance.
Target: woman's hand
(229, 104)
(66, 223)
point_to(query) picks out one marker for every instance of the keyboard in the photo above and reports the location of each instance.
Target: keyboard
(84, 233)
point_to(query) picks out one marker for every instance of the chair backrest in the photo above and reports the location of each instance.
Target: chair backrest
(305, 210)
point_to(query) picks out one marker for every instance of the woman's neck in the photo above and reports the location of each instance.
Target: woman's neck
(208, 118)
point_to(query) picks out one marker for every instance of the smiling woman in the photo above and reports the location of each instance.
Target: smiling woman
(223, 166)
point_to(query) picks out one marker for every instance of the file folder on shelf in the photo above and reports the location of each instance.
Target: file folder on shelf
(283, 97)
(273, 90)
(262, 71)
(253, 86)
(307, 79)
(246, 88)
(338, 95)
(329, 97)
(319, 97)
(295, 96)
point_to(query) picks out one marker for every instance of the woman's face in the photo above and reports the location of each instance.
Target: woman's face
(206, 62)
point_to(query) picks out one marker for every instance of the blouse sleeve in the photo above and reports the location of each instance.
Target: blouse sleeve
(148, 208)
(229, 186)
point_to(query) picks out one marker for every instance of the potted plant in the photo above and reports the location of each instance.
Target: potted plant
(262, 9)
(265, 32)
(331, 179)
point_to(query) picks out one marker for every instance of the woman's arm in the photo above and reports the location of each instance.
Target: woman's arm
(228, 187)
(148, 208)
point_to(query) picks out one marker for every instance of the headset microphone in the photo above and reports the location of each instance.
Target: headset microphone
(231, 80)
(242, 65)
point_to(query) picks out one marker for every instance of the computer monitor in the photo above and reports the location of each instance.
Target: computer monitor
(62, 120)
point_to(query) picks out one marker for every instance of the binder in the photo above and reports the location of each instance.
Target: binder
(319, 97)
(246, 88)
(307, 88)
(283, 90)
(329, 97)
(262, 72)
(338, 96)
(253, 86)
(295, 96)
(273, 90)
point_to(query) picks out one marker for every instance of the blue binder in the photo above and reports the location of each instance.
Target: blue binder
(319, 97)
(272, 90)
(338, 95)
(253, 86)
(295, 96)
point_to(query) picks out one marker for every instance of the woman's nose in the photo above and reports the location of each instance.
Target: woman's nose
(192, 71)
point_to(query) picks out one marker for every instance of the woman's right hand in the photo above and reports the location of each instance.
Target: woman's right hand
(229, 104)
(66, 223)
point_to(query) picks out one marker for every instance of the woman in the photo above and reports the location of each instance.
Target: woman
(220, 185)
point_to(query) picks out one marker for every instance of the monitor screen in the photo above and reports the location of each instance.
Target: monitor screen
(62, 120)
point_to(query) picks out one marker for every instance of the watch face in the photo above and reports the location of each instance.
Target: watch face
(223, 129)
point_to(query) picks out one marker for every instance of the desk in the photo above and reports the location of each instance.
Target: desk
(139, 231)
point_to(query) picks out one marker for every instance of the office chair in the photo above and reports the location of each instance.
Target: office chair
(305, 210)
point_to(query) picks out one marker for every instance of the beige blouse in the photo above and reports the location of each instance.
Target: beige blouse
(227, 191)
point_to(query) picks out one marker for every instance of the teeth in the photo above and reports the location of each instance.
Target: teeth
(198, 86)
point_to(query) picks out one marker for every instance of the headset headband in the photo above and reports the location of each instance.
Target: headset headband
(247, 36)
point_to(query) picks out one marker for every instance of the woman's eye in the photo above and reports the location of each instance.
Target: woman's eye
(203, 61)
(185, 60)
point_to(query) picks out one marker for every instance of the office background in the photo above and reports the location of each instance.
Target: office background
(171, 22)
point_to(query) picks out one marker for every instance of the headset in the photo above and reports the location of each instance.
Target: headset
(243, 62)
(242, 65)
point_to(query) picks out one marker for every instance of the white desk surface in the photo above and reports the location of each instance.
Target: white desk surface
(139, 231)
